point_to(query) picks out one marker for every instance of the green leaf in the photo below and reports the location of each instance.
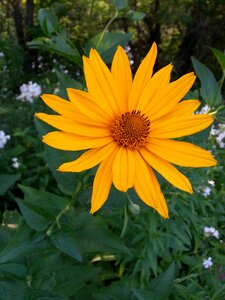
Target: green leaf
(35, 219)
(108, 45)
(210, 89)
(35, 294)
(42, 202)
(143, 294)
(136, 15)
(163, 284)
(65, 240)
(19, 245)
(118, 290)
(102, 240)
(220, 57)
(54, 158)
(7, 181)
(119, 4)
(15, 269)
(57, 44)
(48, 21)
(68, 283)
(11, 290)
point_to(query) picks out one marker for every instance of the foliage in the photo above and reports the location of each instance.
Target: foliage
(50, 246)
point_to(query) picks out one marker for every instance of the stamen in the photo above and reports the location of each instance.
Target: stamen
(131, 130)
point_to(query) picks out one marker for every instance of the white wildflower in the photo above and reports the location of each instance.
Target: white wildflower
(211, 182)
(3, 139)
(206, 191)
(15, 163)
(207, 263)
(211, 231)
(204, 110)
(214, 131)
(29, 92)
(2, 54)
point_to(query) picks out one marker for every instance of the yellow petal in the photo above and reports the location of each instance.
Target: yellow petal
(169, 172)
(72, 142)
(102, 184)
(89, 128)
(142, 76)
(104, 85)
(89, 159)
(61, 106)
(97, 90)
(175, 127)
(123, 169)
(181, 153)
(184, 108)
(147, 187)
(87, 106)
(163, 102)
(155, 85)
(122, 75)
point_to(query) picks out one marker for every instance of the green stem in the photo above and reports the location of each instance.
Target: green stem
(92, 8)
(106, 27)
(64, 210)
(125, 221)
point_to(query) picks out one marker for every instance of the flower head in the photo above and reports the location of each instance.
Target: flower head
(3, 139)
(129, 125)
(207, 263)
(29, 91)
(211, 231)
(15, 163)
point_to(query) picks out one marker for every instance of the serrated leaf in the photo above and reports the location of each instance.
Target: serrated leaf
(35, 220)
(108, 44)
(7, 181)
(65, 240)
(43, 202)
(210, 89)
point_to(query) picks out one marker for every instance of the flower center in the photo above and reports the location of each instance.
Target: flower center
(131, 130)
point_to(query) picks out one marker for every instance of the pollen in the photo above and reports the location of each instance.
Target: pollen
(131, 130)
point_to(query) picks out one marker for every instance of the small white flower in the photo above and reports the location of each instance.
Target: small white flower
(206, 191)
(204, 110)
(29, 91)
(3, 139)
(2, 54)
(207, 263)
(211, 231)
(214, 131)
(211, 182)
(15, 163)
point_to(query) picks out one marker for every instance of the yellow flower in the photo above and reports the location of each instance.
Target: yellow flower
(128, 126)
